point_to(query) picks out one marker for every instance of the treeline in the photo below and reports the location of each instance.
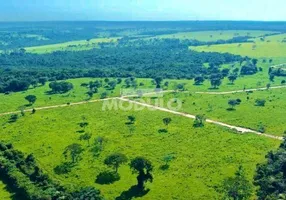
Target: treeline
(164, 58)
(271, 176)
(22, 174)
(125, 41)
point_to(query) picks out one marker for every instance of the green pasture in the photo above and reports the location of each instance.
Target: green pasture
(16, 101)
(80, 45)
(271, 47)
(204, 157)
(208, 36)
(247, 114)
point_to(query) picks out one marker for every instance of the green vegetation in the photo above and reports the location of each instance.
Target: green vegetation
(270, 176)
(80, 45)
(75, 142)
(4, 194)
(204, 158)
(208, 36)
(271, 47)
(80, 92)
(255, 108)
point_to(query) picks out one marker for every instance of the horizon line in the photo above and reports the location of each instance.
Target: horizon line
(219, 20)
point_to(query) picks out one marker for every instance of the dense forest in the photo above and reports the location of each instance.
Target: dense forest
(164, 58)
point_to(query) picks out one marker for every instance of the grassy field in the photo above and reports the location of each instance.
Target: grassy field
(16, 101)
(80, 45)
(215, 107)
(209, 36)
(4, 194)
(203, 156)
(271, 47)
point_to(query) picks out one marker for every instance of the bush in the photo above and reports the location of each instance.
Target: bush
(63, 168)
(260, 102)
(107, 177)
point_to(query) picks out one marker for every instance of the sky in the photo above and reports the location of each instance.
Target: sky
(133, 10)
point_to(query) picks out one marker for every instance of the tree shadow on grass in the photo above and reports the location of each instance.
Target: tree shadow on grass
(133, 192)
(162, 131)
(212, 88)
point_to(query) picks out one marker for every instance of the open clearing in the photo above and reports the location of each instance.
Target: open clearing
(247, 114)
(79, 45)
(270, 47)
(203, 156)
(4, 194)
(208, 36)
(16, 101)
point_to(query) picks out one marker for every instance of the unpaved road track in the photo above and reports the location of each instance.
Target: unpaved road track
(56, 106)
(236, 128)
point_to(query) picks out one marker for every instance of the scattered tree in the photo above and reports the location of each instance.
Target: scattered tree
(260, 102)
(31, 99)
(232, 78)
(115, 160)
(86, 137)
(74, 151)
(131, 119)
(199, 121)
(167, 121)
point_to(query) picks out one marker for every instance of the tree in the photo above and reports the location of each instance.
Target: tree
(83, 124)
(233, 102)
(180, 87)
(232, 78)
(143, 167)
(260, 102)
(225, 72)
(268, 86)
(215, 80)
(31, 99)
(13, 118)
(199, 121)
(74, 151)
(112, 84)
(131, 119)
(237, 187)
(115, 160)
(199, 80)
(167, 121)
(254, 61)
(158, 81)
(43, 80)
(86, 137)
(61, 87)
(103, 95)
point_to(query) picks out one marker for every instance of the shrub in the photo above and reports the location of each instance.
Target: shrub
(107, 177)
